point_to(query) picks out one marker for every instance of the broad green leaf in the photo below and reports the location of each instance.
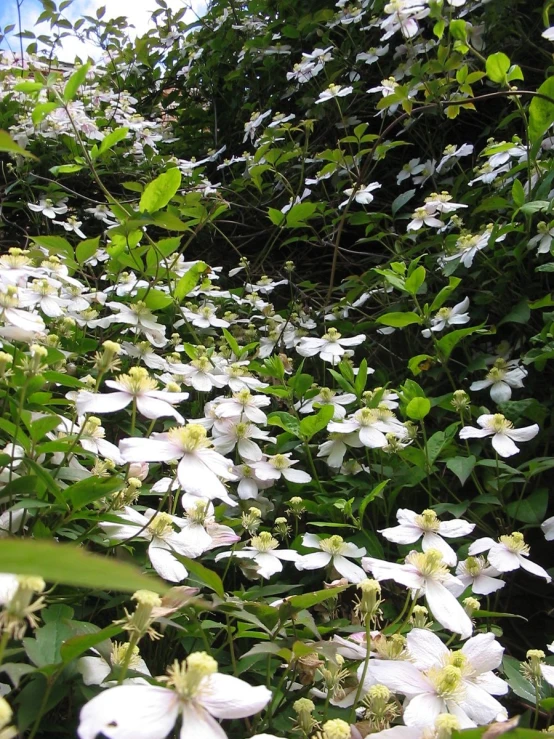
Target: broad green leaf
(78, 645)
(189, 280)
(420, 363)
(399, 320)
(159, 192)
(462, 467)
(299, 214)
(66, 564)
(74, 82)
(112, 139)
(415, 280)
(447, 344)
(541, 112)
(9, 145)
(286, 421)
(497, 67)
(531, 509)
(307, 600)
(86, 249)
(520, 313)
(518, 193)
(57, 246)
(41, 110)
(418, 408)
(376, 492)
(310, 425)
(401, 200)
(28, 86)
(90, 489)
(521, 687)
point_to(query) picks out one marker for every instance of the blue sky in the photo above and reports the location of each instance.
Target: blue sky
(137, 11)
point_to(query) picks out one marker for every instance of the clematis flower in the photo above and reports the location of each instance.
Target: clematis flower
(49, 208)
(438, 681)
(279, 465)
(425, 574)
(194, 689)
(249, 483)
(333, 91)
(510, 552)
(326, 396)
(243, 403)
(159, 529)
(475, 571)
(230, 433)
(331, 347)
(200, 374)
(371, 425)
(200, 467)
(362, 195)
(332, 551)
(95, 669)
(136, 386)
(444, 317)
(336, 447)
(502, 431)
(412, 527)
(263, 551)
(547, 528)
(543, 238)
(501, 378)
(200, 527)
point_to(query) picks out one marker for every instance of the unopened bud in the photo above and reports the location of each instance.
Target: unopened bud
(460, 400)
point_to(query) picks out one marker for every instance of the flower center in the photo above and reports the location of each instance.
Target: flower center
(9, 298)
(280, 462)
(161, 525)
(326, 394)
(366, 416)
(185, 677)
(191, 438)
(428, 521)
(202, 364)
(137, 381)
(515, 543)
(236, 370)
(496, 374)
(242, 430)
(474, 566)
(332, 335)
(429, 564)
(500, 424)
(332, 545)
(264, 542)
(444, 313)
(243, 397)
(198, 513)
(447, 682)
(119, 653)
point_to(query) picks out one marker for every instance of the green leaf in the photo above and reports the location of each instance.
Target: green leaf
(9, 145)
(462, 467)
(159, 192)
(28, 86)
(497, 67)
(531, 509)
(518, 193)
(286, 421)
(401, 200)
(189, 280)
(541, 111)
(154, 299)
(521, 687)
(86, 249)
(520, 313)
(399, 320)
(41, 110)
(208, 577)
(299, 214)
(375, 493)
(447, 344)
(310, 425)
(112, 139)
(44, 649)
(78, 645)
(419, 363)
(74, 82)
(418, 408)
(535, 206)
(66, 564)
(415, 280)
(58, 246)
(90, 489)
(307, 600)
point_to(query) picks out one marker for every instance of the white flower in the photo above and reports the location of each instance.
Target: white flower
(425, 574)
(475, 571)
(200, 374)
(371, 425)
(200, 526)
(509, 553)
(29, 324)
(548, 34)
(279, 465)
(412, 527)
(255, 121)
(438, 681)
(334, 551)
(140, 319)
(372, 56)
(230, 433)
(263, 551)
(135, 386)
(444, 317)
(336, 447)
(72, 224)
(325, 397)
(502, 431)
(543, 238)
(102, 213)
(249, 483)
(244, 404)
(423, 217)
(200, 467)
(333, 91)
(159, 529)
(95, 669)
(48, 208)
(331, 347)
(501, 379)
(204, 317)
(195, 689)
(451, 154)
(548, 528)
(11, 521)
(362, 195)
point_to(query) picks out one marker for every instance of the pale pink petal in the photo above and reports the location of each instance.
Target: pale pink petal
(446, 609)
(423, 709)
(230, 697)
(153, 408)
(313, 561)
(148, 450)
(504, 445)
(426, 649)
(197, 478)
(165, 564)
(198, 724)
(351, 571)
(130, 712)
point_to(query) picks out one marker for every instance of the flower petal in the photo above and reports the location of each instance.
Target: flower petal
(230, 697)
(426, 648)
(351, 571)
(446, 609)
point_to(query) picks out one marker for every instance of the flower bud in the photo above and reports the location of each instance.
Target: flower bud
(336, 728)
(460, 400)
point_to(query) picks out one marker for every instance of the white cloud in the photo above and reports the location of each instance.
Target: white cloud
(138, 13)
